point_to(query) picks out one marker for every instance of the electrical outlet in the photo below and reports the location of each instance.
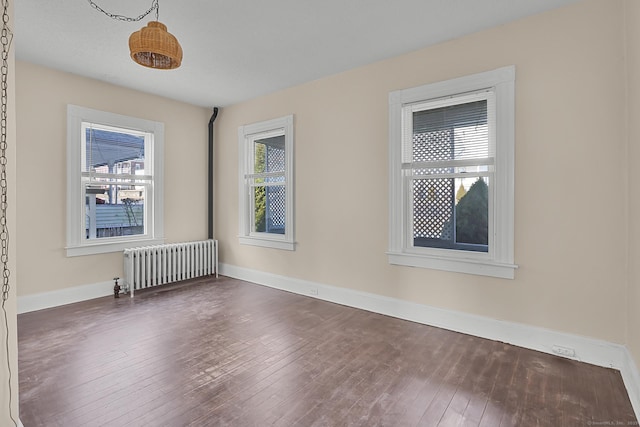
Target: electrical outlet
(563, 351)
(313, 291)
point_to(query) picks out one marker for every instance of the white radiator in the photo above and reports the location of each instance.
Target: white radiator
(149, 266)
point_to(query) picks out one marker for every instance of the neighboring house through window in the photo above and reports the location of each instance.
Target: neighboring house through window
(114, 181)
(451, 148)
(266, 183)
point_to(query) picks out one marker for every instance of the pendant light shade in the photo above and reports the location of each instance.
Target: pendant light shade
(152, 46)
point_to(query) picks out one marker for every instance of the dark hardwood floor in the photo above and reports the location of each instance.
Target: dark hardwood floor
(229, 353)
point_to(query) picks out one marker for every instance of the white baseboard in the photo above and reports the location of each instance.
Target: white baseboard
(631, 378)
(589, 350)
(44, 300)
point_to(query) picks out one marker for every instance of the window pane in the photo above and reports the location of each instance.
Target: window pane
(472, 213)
(269, 209)
(451, 213)
(259, 205)
(433, 146)
(113, 152)
(455, 132)
(433, 204)
(114, 210)
(269, 154)
(473, 170)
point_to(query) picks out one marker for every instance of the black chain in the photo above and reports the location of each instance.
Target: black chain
(6, 37)
(154, 6)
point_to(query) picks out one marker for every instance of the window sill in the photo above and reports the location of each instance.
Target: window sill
(103, 248)
(268, 243)
(457, 265)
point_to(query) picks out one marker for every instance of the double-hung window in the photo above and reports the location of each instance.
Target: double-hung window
(114, 181)
(451, 175)
(266, 183)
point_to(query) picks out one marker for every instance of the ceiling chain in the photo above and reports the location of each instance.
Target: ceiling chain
(154, 6)
(6, 37)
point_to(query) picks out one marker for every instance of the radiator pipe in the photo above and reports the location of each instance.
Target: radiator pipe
(211, 188)
(116, 288)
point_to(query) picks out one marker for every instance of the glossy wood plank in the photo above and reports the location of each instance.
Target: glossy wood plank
(229, 353)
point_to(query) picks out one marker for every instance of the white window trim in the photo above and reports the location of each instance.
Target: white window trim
(499, 262)
(77, 244)
(246, 135)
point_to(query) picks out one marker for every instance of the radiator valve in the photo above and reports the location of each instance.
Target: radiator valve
(116, 288)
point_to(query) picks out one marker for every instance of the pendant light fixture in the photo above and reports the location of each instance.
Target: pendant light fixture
(152, 46)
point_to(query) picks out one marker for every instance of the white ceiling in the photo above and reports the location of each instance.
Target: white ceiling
(236, 50)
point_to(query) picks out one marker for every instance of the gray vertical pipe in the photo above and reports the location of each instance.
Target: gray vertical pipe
(211, 187)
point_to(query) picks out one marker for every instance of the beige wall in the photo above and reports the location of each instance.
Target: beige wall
(570, 235)
(632, 14)
(42, 98)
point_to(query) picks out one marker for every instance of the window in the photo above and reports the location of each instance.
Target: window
(451, 147)
(114, 181)
(266, 183)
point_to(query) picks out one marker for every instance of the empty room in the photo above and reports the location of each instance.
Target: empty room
(344, 213)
